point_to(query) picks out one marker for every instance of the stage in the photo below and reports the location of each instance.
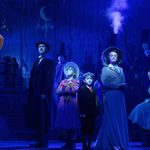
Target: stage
(25, 145)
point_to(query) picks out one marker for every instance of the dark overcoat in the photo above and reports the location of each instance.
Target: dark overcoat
(87, 101)
(41, 82)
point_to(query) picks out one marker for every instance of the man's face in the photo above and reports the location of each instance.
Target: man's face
(42, 49)
(88, 80)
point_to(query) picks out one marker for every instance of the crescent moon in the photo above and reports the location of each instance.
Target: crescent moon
(42, 14)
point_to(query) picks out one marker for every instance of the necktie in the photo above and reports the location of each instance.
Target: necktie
(39, 60)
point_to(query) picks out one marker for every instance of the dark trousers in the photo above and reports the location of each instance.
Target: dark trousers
(87, 130)
(87, 125)
(42, 129)
(42, 138)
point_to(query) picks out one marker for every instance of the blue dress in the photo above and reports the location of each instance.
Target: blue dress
(141, 114)
(114, 131)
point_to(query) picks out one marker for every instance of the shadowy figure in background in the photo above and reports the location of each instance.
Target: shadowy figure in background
(114, 131)
(67, 110)
(88, 106)
(141, 115)
(25, 74)
(59, 76)
(40, 89)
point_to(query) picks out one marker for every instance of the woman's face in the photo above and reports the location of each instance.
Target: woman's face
(113, 57)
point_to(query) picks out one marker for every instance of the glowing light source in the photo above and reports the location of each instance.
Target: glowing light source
(115, 14)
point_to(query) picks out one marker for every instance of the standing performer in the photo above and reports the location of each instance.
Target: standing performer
(87, 101)
(113, 134)
(59, 74)
(67, 110)
(40, 88)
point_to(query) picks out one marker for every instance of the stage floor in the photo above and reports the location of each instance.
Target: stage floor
(54, 145)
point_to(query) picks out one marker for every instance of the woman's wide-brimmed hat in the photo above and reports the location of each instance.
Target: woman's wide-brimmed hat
(44, 43)
(106, 52)
(73, 65)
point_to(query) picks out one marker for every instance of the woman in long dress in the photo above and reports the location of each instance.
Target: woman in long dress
(113, 134)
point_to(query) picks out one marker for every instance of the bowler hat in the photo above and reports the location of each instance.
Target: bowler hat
(44, 43)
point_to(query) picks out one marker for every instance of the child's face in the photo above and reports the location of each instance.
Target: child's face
(88, 80)
(70, 71)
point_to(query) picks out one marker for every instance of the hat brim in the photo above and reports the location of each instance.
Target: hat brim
(74, 65)
(106, 53)
(42, 42)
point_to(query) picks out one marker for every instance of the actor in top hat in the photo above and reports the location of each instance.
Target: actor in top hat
(114, 130)
(87, 102)
(40, 88)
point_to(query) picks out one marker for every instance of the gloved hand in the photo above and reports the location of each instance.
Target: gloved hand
(82, 115)
(122, 86)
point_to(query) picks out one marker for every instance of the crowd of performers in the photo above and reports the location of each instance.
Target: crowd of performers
(77, 98)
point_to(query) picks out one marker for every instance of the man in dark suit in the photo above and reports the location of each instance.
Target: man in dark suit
(40, 89)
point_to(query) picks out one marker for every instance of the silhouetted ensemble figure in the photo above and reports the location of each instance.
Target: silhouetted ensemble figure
(59, 74)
